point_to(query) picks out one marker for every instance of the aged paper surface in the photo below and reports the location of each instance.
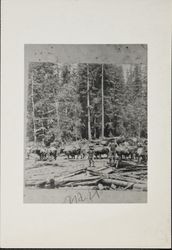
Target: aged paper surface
(85, 22)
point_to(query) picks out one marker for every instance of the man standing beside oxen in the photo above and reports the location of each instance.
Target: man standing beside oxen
(113, 161)
(91, 156)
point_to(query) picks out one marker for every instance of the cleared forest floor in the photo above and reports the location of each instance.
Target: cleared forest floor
(37, 172)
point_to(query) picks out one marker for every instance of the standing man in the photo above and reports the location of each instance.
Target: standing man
(112, 155)
(91, 156)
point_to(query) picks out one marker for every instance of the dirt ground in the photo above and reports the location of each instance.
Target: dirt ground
(36, 171)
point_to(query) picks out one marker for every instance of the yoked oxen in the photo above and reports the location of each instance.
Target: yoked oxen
(141, 153)
(100, 150)
(72, 151)
(84, 151)
(41, 152)
(52, 152)
(125, 150)
(28, 152)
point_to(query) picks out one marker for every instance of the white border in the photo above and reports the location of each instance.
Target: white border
(85, 21)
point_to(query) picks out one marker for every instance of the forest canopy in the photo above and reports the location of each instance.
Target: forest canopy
(64, 100)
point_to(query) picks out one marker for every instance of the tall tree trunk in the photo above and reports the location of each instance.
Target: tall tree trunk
(102, 104)
(88, 103)
(139, 129)
(57, 112)
(95, 128)
(76, 129)
(33, 111)
(57, 115)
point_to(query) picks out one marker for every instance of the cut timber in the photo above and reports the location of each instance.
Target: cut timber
(71, 174)
(108, 170)
(117, 177)
(41, 184)
(129, 169)
(115, 182)
(132, 163)
(83, 183)
(104, 171)
(124, 184)
(87, 178)
(132, 175)
(128, 179)
(96, 173)
(102, 168)
(76, 180)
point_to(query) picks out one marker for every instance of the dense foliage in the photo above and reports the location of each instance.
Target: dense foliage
(57, 101)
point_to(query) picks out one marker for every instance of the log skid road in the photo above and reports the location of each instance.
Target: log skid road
(72, 181)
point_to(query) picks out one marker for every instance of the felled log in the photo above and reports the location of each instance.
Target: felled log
(117, 176)
(108, 170)
(71, 174)
(97, 173)
(115, 182)
(41, 184)
(124, 184)
(87, 179)
(102, 168)
(32, 183)
(128, 179)
(131, 163)
(124, 170)
(104, 172)
(132, 175)
(80, 183)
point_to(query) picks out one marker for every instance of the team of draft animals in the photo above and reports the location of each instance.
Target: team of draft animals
(115, 150)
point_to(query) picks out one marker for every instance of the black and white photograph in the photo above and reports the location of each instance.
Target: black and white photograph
(86, 123)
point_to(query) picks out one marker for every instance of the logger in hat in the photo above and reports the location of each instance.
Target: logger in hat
(112, 154)
(91, 155)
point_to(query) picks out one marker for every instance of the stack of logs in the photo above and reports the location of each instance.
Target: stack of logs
(106, 178)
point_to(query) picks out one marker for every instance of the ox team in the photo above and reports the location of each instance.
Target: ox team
(115, 150)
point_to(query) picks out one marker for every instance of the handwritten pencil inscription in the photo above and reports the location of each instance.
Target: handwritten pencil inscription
(80, 197)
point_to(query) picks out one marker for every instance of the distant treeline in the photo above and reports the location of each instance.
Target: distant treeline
(63, 99)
